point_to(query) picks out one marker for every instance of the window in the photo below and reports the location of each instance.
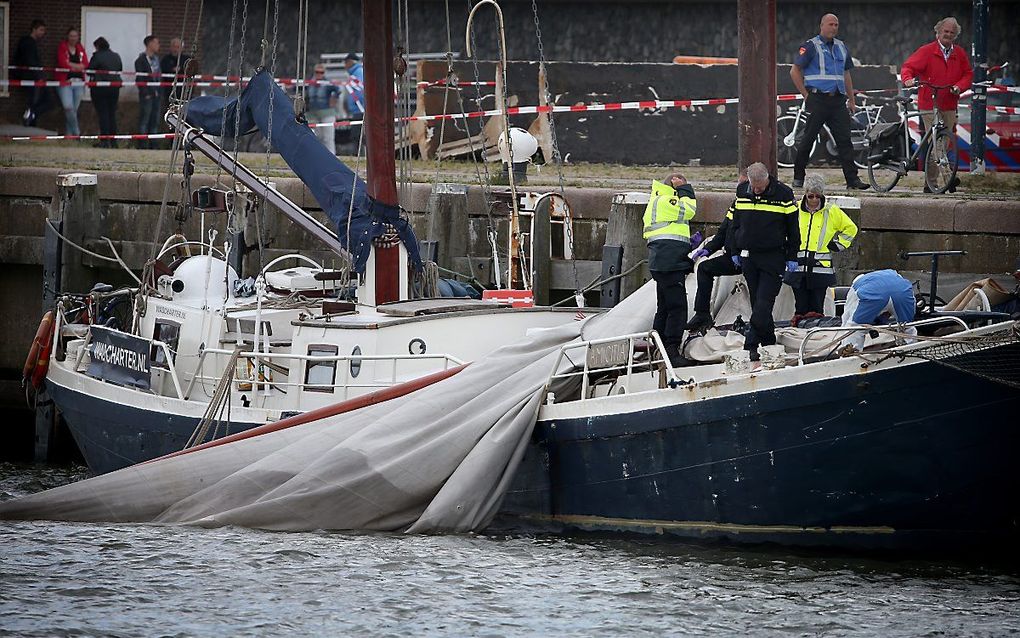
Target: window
(169, 333)
(320, 375)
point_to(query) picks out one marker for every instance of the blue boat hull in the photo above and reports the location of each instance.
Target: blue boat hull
(112, 436)
(914, 455)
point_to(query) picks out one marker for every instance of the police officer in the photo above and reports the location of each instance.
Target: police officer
(762, 240)
(709, 269)
(667, 230)
(824, 229)
(821, 72)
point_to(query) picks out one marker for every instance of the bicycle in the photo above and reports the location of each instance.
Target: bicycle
(888, 164)
(790, 131)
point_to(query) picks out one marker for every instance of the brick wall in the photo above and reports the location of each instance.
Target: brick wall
(60, 15)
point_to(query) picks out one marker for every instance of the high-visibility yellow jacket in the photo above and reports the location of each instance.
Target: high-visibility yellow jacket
(667, 214)
(822, 233)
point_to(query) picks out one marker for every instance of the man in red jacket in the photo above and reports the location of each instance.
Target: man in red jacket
(940, 62)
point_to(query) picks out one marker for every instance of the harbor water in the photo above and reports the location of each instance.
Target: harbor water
(73, 579)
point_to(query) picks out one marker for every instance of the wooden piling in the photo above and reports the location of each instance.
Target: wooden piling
(74, 211)
(625, 230)
(448, 222)
(541, 250)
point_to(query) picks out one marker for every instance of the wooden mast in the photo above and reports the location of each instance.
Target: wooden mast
(377, 33)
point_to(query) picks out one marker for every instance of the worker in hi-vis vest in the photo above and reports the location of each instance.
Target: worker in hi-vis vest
(824, 229)
(667, 230)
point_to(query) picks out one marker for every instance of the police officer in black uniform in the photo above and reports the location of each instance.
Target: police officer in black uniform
(821, 72)
(763, 239)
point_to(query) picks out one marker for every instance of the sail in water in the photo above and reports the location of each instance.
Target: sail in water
(436, 460)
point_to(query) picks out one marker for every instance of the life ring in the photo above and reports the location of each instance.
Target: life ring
(38, 360)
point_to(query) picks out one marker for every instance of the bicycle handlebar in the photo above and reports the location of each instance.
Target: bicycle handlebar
(937, 87)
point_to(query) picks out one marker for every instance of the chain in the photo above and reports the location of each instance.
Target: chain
(450, 86)
(568, 224)
(226, 91)
(237, 111)
(404, 99)
(272, 86)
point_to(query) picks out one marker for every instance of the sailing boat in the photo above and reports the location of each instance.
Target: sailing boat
(196, 361)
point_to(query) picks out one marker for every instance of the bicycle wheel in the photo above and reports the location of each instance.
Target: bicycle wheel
(885, 171)
(786, 144)
(942, 163)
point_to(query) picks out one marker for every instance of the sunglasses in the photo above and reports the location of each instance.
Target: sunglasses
(320, 73)
(813, 196)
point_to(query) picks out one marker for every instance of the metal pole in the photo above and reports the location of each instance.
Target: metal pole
(756, 82)
(979, 58)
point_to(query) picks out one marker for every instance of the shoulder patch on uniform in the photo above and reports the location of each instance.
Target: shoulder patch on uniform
(802, 51)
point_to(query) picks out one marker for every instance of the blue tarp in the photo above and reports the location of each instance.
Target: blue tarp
(331, 182)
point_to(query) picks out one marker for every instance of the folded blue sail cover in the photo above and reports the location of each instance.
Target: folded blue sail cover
(331, 182)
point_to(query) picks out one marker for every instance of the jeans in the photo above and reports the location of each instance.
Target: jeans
(70, 98)
(148, 119)
(326, 134)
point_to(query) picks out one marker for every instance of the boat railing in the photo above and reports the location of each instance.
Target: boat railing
(264, 361)
(261, 361)
(608, 356)
(848, 330)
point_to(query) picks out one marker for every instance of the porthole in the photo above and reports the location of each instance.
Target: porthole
(355, 363)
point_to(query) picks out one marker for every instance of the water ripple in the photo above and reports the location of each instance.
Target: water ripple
(72, 579)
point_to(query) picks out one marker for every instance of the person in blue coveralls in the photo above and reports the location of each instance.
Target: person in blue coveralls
(875, 298)
(821, 72)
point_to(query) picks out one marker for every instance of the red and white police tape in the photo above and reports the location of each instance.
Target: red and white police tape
(643, 105)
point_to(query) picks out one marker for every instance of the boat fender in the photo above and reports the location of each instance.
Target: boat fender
(38, 360)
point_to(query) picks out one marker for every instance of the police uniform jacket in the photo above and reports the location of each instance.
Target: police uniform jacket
(766, 224)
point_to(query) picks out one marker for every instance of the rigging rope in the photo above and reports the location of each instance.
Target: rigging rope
(220, 398)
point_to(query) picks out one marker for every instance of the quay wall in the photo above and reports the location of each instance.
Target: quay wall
(130, 203)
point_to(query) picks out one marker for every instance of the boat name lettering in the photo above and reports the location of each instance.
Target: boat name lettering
(114, 355)
(173, 312)
(608, 355)
(119, 358)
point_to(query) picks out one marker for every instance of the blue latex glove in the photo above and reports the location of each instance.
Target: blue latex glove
(699, 253)
(791, 266)
(696, 238)
(736, 260)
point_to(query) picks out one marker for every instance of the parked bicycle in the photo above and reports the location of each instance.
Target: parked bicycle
(790, 131)
(890, 158)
